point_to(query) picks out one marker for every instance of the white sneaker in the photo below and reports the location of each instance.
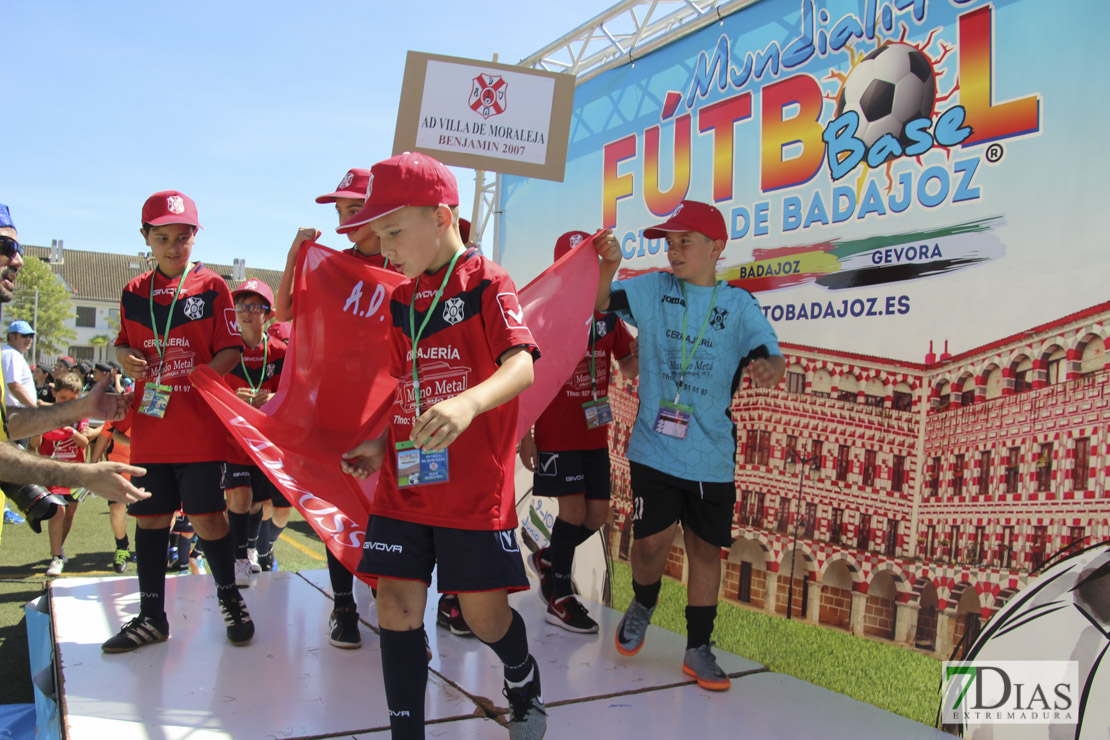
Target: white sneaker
(242, 573)
(56, 565)
(252, 558)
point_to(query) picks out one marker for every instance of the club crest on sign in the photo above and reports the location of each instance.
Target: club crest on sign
(453, 310)
(175, 204)
(488, 95)
(194, 308)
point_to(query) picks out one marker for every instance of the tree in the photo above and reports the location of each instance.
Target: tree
(55, 307)
(100, 342)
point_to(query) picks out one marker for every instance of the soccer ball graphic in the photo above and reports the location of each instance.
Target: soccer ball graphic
(890, 87)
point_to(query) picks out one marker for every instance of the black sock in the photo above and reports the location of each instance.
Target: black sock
(184, 545)
(647, 595)
(342, 582)
(582, 534)
(269, 536)
(150, 545)
(699, 625)
(254, 524)
(238, 525)
(221, 564)
(405, 671)
(123, 544)
(512, 649)
(563, 541)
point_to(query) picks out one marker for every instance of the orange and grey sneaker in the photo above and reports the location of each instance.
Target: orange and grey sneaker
(702, 665)
(633, 628)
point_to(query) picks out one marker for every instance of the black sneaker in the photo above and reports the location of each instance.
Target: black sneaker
(344, 627)
(449, 615)
(569, 614)
(543, 570)
(136, 633)
(527, 717)
(240, 628)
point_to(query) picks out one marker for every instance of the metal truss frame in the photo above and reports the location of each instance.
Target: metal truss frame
(625, 32)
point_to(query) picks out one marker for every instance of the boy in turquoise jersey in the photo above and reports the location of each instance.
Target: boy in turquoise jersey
(697, 335)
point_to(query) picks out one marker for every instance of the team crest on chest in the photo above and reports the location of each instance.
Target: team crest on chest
(453, 310)
(194, 307)
(600, 329)
(717, 320)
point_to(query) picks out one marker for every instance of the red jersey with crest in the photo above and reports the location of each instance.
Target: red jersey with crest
(261, 364)
(562, 425)
(476, 321)
(203, 324)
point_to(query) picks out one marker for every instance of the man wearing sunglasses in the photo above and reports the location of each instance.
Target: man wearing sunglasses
(18, 466)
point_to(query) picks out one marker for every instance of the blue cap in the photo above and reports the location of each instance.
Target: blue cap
(5, 217)
(19, 326)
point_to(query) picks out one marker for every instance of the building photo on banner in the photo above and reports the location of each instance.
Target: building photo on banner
(920, 539)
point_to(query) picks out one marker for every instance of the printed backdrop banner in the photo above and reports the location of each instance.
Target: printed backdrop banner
(891, 171)
(336, 390)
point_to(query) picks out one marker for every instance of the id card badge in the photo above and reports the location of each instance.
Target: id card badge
(598, 413)
(673, 419)
(155, 400)
(416, 467)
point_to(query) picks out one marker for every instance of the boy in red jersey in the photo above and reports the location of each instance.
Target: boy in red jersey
(348, 198)
(172, 319)
(69, 444)
(461, 354)
(254, 379)
(568, 454)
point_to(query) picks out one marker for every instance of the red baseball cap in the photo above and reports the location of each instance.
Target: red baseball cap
(569, 241)
(692, 216)
(353, 185)
(256, 286)
(170, 207)
(408, 179)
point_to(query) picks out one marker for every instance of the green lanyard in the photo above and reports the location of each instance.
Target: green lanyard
(416, 334)
(265, 359)
(697, 343)
(593, 361)
(160, 342)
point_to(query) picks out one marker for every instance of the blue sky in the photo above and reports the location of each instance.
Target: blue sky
(251, 108)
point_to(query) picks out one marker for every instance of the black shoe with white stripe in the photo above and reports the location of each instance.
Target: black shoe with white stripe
(136, 633)
(240, 628)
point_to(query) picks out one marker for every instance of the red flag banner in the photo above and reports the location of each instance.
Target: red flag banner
(336, 390)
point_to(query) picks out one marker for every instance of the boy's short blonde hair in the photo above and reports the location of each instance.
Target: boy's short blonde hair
(69, 382)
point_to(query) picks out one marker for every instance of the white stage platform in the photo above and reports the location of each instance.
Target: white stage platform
(290, 683)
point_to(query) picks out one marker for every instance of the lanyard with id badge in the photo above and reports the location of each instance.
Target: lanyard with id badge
(597, 411)
(673, 418)
(416, 466)
(262, 373)
(156, 397)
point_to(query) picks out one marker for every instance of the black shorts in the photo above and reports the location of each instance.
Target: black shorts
(192, 487)
(469, 560)
(235, 475)
(659, 500)
(571, 472)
